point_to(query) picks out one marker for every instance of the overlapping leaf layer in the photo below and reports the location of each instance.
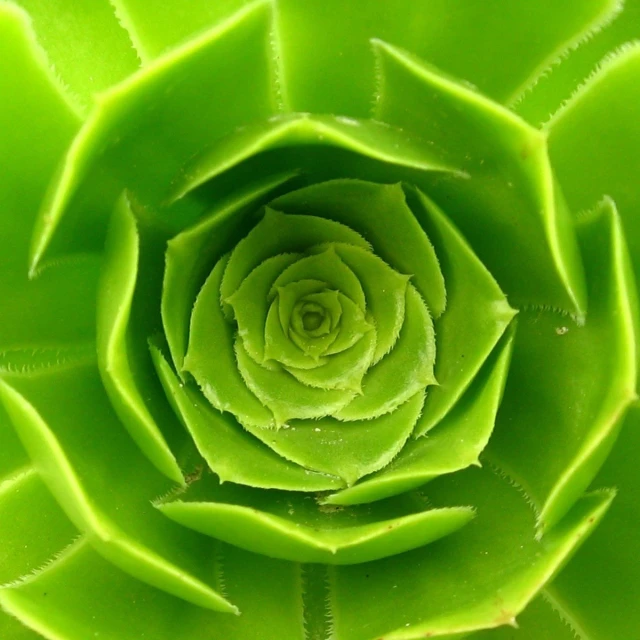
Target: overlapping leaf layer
(307, 329)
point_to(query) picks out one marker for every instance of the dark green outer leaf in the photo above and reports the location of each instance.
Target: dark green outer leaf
(570, 385)
(81, 592)
(596, 154)
(56, 308)
(480, 577)
(598, 590)
(538, 621)
(294, 527)
(89, 50)
(497, 45)
(126, 141)
(102, 481)
(617, 25)
(509, 186)
(120, 271)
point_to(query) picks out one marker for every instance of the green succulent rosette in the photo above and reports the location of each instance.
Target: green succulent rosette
(319, 320)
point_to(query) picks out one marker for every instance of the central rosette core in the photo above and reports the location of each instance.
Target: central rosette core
(314, 332)
(319, 325)
(312, 316)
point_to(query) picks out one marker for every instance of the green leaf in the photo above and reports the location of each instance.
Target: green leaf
(570, 385)
(197, 121)
(157, 25)
(13, 457)
(85, 44)
(56, 307)
(587, 20)
(325, 44)
(229, 451)
(219, 377)
(283, 344)
(26, 506)
(102, 482)
(117, 288)
(599, 587)
(586, 168)
(510, 186)
(11, 628)
(80, 592)
(352, 322)
(456, 443)
(363, 141)
(346, 369)
(325, 265)
(477, 313)
(292, 527)
(144, 129)
(480, 577)
(252, 304)
(385, 292)
(538, 620)
(611, 30)
(284, 395)
(348, 450)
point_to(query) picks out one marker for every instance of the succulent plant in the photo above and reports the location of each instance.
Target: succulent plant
(319, 320)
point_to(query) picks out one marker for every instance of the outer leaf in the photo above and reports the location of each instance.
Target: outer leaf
(85, 44)
(495, 44)
(569, 385)
(158, 25)
(126, 142)
(26, 507)
(538, 620)
(293, 527)
(477, 313)
(13, 457)
(617, 25)
(587, 168)
(11, 628)
(56, 307)
(480, 577)
(81, 592)
(119, 276)
(363, 140)
(102, 482)
(510, 188)
(598, 590)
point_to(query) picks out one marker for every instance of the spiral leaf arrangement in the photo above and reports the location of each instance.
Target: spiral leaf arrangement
(358, 356)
